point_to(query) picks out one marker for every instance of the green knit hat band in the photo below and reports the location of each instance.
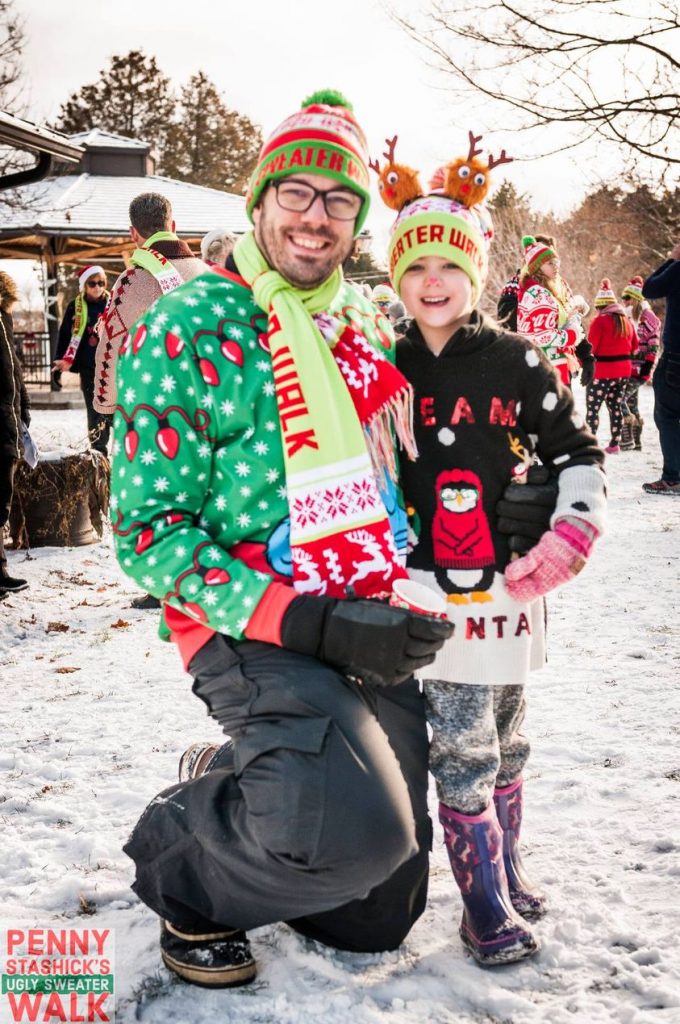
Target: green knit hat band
(453, 236)
(320, 139)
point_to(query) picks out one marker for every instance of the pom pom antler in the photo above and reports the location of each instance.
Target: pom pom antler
(502, 159)
(391, 144)
(474, 139)
(398, 184)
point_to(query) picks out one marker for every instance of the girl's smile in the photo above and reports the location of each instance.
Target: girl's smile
(438, 295)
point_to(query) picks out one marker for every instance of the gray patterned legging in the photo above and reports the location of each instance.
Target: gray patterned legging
(476, 743)
(611, 393)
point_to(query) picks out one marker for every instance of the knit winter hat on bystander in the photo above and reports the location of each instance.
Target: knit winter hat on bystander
(633, 290)
(536, 253)
(606, 295)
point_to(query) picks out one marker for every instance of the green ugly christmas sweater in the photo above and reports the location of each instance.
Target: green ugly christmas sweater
(198, 495)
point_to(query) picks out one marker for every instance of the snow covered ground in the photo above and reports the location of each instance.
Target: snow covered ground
(95, 716)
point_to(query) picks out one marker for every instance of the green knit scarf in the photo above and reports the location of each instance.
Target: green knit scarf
(323, 439)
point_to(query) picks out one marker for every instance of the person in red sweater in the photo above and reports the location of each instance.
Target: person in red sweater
(613, 339)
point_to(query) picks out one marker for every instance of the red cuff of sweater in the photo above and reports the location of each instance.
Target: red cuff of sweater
(265, 622)
(186, 632)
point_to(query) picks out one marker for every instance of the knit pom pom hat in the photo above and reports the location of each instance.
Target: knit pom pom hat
(87, 272)
(383, 293)
(321, 138)
(536, 253)
(605, 296)
(439, 226)
(633, 290)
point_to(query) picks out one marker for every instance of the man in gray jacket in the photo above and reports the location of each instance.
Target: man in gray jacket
(160, 263)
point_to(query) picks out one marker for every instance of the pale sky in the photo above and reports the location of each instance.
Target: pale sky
(267, 56)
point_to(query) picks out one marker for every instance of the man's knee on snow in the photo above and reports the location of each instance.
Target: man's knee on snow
(312, 801)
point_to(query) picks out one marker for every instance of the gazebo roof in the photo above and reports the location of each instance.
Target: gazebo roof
(81, 217)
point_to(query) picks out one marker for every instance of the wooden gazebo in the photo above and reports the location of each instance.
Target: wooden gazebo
(80, 216)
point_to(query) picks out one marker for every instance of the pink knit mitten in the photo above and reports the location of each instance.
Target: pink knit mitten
(559, 555)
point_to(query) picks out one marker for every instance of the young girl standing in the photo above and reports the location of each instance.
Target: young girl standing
(647, 327)
(613, 340)
(485, 402)
(546, 313)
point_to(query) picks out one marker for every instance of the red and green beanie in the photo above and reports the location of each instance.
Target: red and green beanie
(437, 225)
(536, 253)
(321, 138)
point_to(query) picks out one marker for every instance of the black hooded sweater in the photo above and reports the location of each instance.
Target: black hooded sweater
(482, 408)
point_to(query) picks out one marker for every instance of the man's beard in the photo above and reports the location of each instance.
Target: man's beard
(298, 271)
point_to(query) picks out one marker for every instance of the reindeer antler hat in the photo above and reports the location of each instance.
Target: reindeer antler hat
(449, 220)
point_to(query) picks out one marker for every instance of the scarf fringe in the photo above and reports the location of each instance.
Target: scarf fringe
(395, 417)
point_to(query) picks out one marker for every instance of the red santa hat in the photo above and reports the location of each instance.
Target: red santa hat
(87, 272)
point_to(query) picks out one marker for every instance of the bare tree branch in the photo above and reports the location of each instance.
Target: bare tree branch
(607, 67)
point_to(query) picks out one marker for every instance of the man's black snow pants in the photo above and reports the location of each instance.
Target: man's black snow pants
(316, 816)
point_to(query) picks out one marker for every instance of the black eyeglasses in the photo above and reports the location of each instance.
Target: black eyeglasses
(298, 197)
(95, 284)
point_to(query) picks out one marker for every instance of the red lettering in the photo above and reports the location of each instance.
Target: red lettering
(354, 171)
(321, 157)
(56, 1008)
(456, 238)
(288, 396)
(469, 246)
(291, 414)
(296, 158)
(522, 625)
(407, 237)
(505, 415)
(335, 162)
(499, 620)
(474, 628)
(462, 411)
(436, 232)
(303, 439)
(421, 234)
(94, 1006)
(427, 412)
(25, 1005)
(15, 937)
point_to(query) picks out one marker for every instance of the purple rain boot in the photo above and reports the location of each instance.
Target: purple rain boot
(526, 898)
(490, 929)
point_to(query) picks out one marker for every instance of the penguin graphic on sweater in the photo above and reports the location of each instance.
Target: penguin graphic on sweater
(464, 556)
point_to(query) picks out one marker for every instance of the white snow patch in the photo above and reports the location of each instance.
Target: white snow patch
(84, 752)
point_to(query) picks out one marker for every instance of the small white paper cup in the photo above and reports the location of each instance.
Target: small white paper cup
(418, 598)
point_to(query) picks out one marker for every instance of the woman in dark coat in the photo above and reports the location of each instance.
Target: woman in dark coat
(78, 343)
(14, 407)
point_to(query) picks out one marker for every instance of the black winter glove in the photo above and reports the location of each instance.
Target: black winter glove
(371, 640)
(588, 372)
(524, 511)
